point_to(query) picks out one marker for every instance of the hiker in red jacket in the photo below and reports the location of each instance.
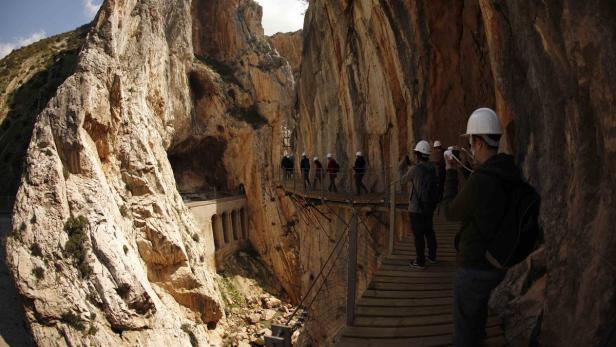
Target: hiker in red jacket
(332, 171)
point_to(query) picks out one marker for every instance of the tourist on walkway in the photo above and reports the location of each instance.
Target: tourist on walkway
(360, 170)
(439, 162)
(286, 166)
(319, 173)
(480, 206)
(304, 166)
(332, 171)
(422, 201)
(291, 167)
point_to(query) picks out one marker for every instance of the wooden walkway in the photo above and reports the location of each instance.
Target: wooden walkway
(408, 307)
(373, 201)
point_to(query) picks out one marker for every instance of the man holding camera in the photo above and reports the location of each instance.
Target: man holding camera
(480, 205)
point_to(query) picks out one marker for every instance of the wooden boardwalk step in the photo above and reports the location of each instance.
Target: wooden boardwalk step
(401, 321)
(407, 294)
(397, 302)
(403, 311)
(410, 287)
(409, 332)
(428, 341)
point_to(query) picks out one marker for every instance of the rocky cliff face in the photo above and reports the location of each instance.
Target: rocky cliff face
(289, 45)
(103, 250)
(378, 75)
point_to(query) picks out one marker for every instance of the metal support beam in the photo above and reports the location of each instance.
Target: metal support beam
(281, 336)
(352, 269)
(392, 216)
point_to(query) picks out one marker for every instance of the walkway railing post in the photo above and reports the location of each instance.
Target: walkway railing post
(392, 216)
(352, 269)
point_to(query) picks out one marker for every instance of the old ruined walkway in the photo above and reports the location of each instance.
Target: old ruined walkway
(407, 307)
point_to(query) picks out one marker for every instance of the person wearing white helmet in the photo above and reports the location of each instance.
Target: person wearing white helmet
(423, 193)
(319, 173)
(480, 206)
(304, 166)
(359, 168)
(439, 163)
(286, 166)
(332, 171)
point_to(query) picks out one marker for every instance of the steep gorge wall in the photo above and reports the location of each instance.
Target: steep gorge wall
(379, 75)
(555, 84)
(161, 91)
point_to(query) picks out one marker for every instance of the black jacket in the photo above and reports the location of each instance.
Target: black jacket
(305, 165)
(480, 206)
(360, 165)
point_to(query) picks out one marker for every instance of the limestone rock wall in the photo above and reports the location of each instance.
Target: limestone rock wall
(289, 45)
(242, 91)
(103, 249)
(555, 84)
(373, 76)
(378, 75)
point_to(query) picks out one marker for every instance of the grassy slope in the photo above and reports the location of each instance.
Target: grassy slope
(29, 78)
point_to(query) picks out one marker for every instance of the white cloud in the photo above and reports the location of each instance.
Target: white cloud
(8, 47)
(282, 15)
(90, 7)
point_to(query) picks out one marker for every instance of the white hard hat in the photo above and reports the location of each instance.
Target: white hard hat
(437, 143)
(303, 154)
(329, 155)
(423, 147)
(358, 153)
(315, 159)
(483, 121)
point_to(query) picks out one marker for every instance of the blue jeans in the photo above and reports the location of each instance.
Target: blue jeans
(472, 289)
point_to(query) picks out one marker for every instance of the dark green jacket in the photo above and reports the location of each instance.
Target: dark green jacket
(480, 206)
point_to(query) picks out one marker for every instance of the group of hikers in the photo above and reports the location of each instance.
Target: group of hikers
(333, 168)
(497, 209)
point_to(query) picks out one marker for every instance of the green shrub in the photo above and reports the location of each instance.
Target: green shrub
(75, 246)
(73, 320)
(195, 237)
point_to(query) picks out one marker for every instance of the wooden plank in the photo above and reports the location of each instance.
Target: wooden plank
(352, 270)
(414, 280)
(403, 311)
(413, 302)
(376, 321)
(410, 287)
(417, 273)
(403, 342)
(407, 294)
(406, 257)
(388, 333)
(406, 267)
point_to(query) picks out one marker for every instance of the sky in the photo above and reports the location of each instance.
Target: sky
(25, 21)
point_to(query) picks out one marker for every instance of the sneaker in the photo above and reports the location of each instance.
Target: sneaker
(416, 265)
(431, 261)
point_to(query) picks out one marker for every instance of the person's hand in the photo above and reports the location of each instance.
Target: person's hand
(450, 162)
